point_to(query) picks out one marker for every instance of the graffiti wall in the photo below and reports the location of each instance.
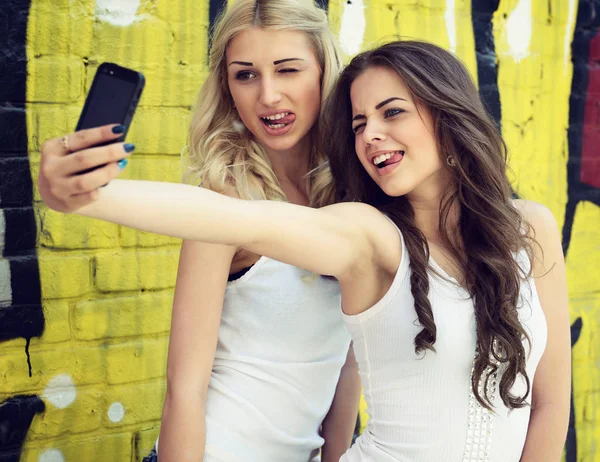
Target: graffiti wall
(85, 306)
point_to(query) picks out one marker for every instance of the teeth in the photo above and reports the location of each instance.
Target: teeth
(276, 116)
(383, 157)
(277, 125)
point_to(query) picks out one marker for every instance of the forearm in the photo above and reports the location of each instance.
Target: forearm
(338, 426)
(171, 209)
(183, 430)
(301, 236)
(546, 434)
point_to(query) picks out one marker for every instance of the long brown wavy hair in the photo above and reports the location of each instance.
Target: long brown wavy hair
(489, 231)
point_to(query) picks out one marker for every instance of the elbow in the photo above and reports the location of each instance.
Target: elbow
(185, 388)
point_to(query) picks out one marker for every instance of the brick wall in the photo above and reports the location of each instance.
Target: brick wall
(85, 305)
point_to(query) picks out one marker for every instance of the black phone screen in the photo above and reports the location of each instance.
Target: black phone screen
(110, 103)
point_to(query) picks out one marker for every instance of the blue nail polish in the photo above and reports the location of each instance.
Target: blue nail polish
(122, 164)
(128, 147)
(118, 129)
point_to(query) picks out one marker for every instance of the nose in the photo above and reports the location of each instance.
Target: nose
(373, 133)
(270, 94)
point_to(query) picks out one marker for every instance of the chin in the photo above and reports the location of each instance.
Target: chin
(283, 143)
(394, 190)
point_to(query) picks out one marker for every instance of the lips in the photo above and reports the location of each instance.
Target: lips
(280, 118)
(277, 123)
(386, 161)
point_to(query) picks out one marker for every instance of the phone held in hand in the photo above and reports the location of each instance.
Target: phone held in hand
(113, 98)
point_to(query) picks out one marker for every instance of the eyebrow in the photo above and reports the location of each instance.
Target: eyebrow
(379, 106)
(279, 61)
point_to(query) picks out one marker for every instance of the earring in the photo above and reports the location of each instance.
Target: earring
(451, 161)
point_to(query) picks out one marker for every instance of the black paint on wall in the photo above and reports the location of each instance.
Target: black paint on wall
(16, 415)
(24, 316)
(323, 4)
(485, 48)
(215, 8)
(571, 444)
(587, 28)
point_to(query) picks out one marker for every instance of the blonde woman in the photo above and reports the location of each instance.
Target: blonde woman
(259, 364)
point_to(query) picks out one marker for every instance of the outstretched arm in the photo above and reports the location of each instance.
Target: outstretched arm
(331, 241)
(326, 241)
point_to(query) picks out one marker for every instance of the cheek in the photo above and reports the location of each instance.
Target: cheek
(308, 92)
(360, 152)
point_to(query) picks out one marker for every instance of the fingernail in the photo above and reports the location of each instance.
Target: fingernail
(122, 164)
(128, 147)
(118, 129)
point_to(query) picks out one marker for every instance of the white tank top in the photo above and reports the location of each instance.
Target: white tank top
(421, 408)
(282, 343)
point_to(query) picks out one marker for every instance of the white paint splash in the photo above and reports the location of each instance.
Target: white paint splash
(353, 26)
(2, 232)
(518, 29)
(116, 412)
(118, 12)
(451, 24)
(5, 283)
(5, 278)
(60, 391)
(569, 33)
(51, 455)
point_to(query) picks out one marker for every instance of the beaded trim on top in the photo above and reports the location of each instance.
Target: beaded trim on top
(480, 423)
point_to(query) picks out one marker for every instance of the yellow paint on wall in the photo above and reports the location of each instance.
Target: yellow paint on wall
(66, 42)
(534, 80)
(583, 260)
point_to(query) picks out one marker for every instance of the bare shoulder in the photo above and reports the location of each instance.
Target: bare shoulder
(364, 216)
(537, 215)
(544, 229)
(381, 233)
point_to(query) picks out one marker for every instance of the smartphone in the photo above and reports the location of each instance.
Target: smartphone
(113, 98)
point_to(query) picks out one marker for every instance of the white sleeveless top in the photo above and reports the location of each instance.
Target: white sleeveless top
(421, 408)
(281, 345)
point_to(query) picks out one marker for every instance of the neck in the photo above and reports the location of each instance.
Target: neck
(292, 165)
(426, 205)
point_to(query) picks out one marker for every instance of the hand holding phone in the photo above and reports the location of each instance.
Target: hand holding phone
(113, 99)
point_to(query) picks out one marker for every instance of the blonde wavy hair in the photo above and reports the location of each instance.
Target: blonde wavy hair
(221, 152)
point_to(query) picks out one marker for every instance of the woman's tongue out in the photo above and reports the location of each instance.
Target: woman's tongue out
(279, 126)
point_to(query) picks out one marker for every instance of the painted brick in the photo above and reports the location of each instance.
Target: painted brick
(83, 415)
(591, 412)
(153, 168)
(584, 247)
(70, 33)
(99, 447)
(133, 238)
(15, 182)
(175, 86)
(143, 43)
(137, 315)
(68, 79)
(19, 230)
(13, 136)
(585, 350)
(18, 322)
(69, 231)
(135, 270)
(137, 361)
(159, 130)
(51, 121)
(85, 365)
(144, 441)
(64, 276)
(141, 402)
